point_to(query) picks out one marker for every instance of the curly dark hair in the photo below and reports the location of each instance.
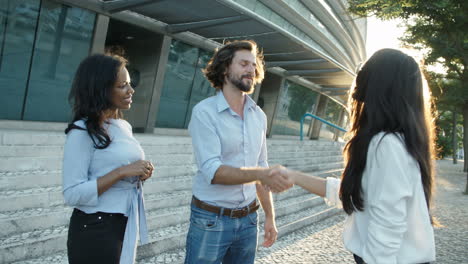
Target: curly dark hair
(90, 95)
(217, 66)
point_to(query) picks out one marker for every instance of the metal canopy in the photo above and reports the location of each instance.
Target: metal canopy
(217, 21)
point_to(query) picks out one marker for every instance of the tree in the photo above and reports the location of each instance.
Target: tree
(440, 29)
(449, 124)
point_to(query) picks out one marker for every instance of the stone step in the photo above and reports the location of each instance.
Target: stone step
(19, 180)
(54, 138)
(31, 138)
(157, 151)
(175, 238)
(41, 197)
(156, 192)
(164, 164)
(24, 220)
(31, 151)
(157, 203)
(307, 160)
(285, 226)
(300, 154)
(23, 163)
(34, 137)
(42, 172)
(166, 228)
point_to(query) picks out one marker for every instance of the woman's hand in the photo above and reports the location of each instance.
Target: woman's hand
(142, 168)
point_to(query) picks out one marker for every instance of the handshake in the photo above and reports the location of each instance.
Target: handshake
(277, 178)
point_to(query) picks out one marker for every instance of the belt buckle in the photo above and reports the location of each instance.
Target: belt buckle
(245, 209)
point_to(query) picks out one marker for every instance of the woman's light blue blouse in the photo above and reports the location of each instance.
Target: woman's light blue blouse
(83, 165)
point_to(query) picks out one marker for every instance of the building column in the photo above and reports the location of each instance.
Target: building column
(158, 83)
(100, 33)
(338, 133)
(256, 92)
(320, 112)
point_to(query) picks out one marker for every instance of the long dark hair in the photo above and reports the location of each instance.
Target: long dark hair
(90, 95)
(389, 96)
(219, 63)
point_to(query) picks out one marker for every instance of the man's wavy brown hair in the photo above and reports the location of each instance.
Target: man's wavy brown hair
(216, 68)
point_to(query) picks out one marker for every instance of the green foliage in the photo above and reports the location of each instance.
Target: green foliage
(332, 113)
(444, 126)
(440, 28)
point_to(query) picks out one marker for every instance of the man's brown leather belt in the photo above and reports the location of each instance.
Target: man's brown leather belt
(233, 213)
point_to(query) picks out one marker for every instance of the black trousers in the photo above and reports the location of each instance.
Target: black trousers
(360, 261)
(95, 238)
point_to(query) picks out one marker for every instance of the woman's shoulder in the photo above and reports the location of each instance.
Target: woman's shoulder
(389, 146)
(77, 132)
(122, 123)
(80, 123)
(388, 139)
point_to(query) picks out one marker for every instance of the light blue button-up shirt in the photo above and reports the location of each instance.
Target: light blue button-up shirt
(221, 137)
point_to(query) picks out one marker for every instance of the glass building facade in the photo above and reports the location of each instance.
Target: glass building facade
(294, 102)
(184, 85)
(332, 115)
(41, 45)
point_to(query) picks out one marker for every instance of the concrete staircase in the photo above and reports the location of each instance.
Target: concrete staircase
(33, 218)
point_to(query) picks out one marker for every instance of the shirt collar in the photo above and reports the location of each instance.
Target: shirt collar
(222, 104)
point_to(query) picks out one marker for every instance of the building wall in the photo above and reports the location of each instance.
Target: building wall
(42, 43)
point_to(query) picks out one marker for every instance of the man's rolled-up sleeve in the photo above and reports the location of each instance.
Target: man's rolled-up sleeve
(263, 158)
(206, 143)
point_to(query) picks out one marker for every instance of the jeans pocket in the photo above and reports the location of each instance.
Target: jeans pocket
(253, 218)
(93, 222)
(204, 220)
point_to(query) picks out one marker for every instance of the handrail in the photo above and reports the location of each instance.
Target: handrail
(319, 119)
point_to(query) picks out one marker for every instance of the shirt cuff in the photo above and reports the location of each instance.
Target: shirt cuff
(84, 194)
(211, 171)
(332, 197)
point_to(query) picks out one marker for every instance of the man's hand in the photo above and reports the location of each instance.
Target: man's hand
(277, 179)
(271, 233)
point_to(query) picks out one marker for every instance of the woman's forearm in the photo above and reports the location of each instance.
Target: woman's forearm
(311, 183)
(106, 181)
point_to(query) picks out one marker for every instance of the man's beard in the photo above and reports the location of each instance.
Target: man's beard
(240, 84)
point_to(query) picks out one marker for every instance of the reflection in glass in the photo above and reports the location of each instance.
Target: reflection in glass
(201, 88)
(294, 102)
(63, 40)
(17, 28)
(332, 115)
(175, 96)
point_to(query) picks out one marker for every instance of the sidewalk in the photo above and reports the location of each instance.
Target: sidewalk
(322, 243)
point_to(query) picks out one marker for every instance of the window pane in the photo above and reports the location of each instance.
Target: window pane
(177, 85)
(332, 115)
(63, 40)
(17, 28)
(295, 101)
(201, 88)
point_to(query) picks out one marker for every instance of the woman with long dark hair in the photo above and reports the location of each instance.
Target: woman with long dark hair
(103, 166)
(387, 184)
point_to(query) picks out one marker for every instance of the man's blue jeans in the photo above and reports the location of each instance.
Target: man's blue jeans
(215, 238)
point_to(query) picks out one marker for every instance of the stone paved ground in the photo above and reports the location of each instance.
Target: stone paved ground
(322, 242)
